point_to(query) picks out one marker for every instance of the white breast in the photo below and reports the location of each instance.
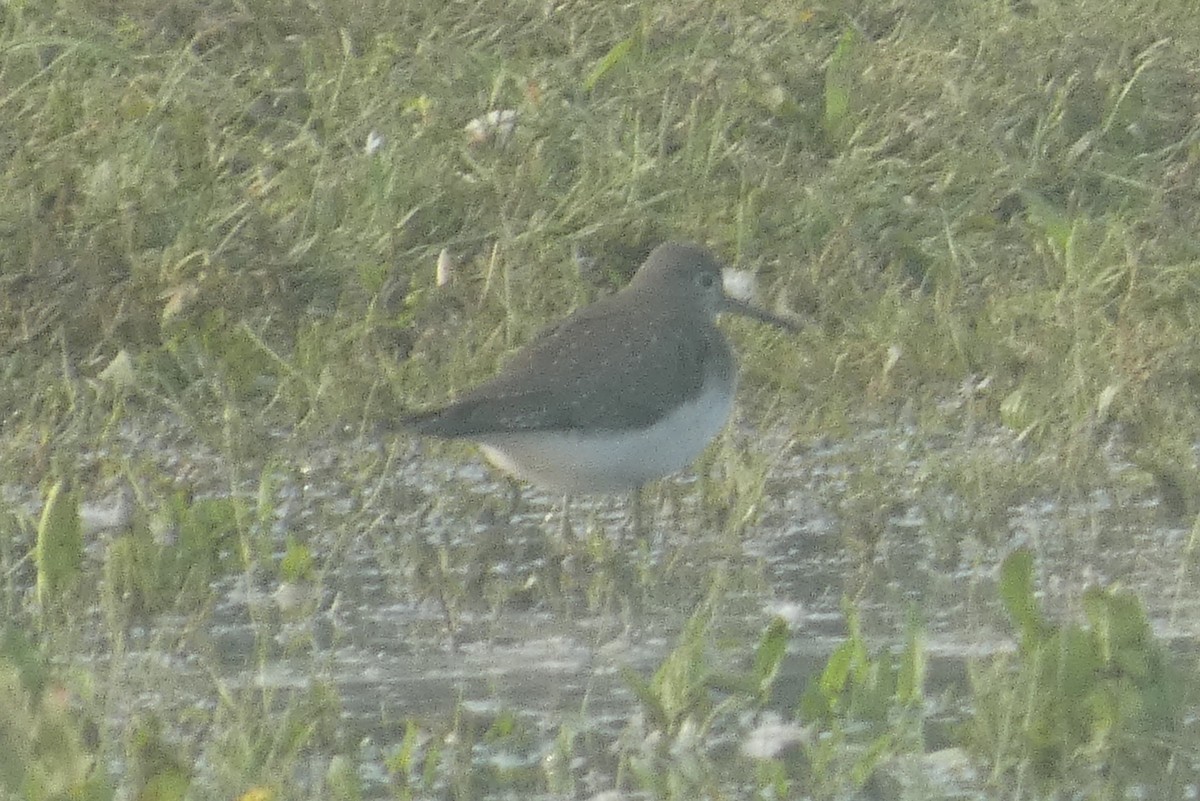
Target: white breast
(578, 463)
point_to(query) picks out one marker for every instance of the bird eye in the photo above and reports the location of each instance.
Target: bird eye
(707, 280)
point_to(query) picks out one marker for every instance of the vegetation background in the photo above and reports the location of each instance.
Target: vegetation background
(222, 224)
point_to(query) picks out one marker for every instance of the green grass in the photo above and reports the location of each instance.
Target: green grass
(985, 212)
(990, 192)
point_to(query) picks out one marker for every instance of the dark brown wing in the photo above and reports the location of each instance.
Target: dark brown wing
(601, 368)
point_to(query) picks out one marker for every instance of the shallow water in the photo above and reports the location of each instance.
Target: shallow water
(539, 630)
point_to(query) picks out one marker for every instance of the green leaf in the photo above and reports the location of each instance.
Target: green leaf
(837, 670)
(1053, 222)
(1016, 592)
(769, 654)
(652, 707)
(159, 769)
(403, 760)
(119, 372)
(59, 549)
(611, 59)
(297, 563)
(839, 82)
(910, 682)
(342, 779)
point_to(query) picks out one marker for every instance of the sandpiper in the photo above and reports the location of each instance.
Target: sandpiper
(623, 391)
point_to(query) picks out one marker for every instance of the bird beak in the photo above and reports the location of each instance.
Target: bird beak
(735, 306)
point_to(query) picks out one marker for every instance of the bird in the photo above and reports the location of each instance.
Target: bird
(624, 391)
